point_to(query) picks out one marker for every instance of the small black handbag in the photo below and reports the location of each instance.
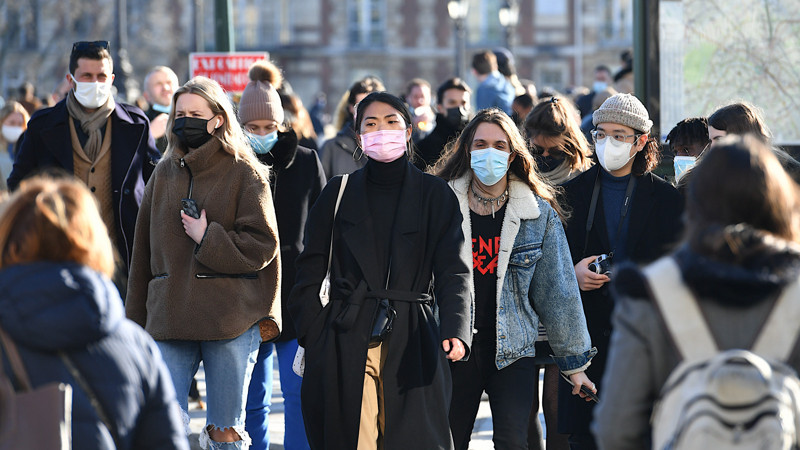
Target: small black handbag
(383, 321)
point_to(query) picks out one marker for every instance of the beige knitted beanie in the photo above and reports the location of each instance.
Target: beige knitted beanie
(624, 109)
(260, 100)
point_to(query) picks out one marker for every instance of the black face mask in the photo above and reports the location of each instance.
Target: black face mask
(547, 163)
(457, 117)
(192, 132)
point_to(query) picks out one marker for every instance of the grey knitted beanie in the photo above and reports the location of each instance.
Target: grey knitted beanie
(260, 101)
(624, 109)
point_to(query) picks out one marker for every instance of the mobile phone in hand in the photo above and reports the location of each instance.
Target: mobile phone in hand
(190, 208)
(585, 389)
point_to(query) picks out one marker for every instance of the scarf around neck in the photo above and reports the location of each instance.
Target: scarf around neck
(91, 122)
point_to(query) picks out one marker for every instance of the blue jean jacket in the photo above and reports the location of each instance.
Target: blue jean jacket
(535, 281)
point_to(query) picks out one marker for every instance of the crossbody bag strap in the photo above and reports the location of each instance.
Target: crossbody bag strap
(17, 367)
(324, 291)
(679, 309)
(98, 407)
(780, 332)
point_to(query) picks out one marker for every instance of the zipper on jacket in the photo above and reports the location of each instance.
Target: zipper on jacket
(248, 276)
(183, 163)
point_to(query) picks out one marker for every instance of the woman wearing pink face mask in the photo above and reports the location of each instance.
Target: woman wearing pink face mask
(395, 230)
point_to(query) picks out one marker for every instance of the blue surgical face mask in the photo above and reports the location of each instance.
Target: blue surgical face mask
(161, 108)
(599, 86)
(682, 164)
(263, 144)
(489, 164)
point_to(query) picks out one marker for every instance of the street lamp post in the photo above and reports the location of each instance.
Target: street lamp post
(457, 9)
(509, 18)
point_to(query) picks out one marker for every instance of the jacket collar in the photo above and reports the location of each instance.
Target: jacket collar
(357, 226)
(522, 205)
(205, 157)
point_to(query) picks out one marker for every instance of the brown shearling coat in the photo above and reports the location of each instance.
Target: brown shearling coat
(220, 288)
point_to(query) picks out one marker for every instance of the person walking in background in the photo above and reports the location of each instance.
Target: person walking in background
(14, 121)
(494, 90)
(561, 153)
(376, 374)
(296, 179)
(159, 85)
(55, 262)
(521, 277)
(297, 118)
(204, 283)
(687, 141)
(741, 250)
(418, 99)
(453, 109)
(620, 212)
(105, 144)
(338, 154)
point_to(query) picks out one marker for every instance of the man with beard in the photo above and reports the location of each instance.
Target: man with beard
(452, 115)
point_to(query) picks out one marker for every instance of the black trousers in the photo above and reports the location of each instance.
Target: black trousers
(510, 392)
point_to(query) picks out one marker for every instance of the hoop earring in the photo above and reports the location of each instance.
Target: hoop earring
(359, 156)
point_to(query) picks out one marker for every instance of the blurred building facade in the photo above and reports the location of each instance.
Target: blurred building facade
(322, 45)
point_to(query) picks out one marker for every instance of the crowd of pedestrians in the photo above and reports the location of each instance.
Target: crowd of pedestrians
(436, 246)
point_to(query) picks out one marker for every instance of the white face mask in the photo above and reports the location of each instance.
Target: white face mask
(91, 94)
(613, 154)
(11, 133)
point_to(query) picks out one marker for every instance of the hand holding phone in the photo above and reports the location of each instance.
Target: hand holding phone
(189, 207)
(585, 389)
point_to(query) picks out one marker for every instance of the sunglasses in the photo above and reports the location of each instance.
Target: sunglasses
(87, 45)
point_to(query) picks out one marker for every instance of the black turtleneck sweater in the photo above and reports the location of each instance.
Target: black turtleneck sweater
(383, 195)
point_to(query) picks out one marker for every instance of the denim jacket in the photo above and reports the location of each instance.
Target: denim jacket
(535, 280)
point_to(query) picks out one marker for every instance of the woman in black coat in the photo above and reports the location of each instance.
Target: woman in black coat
(635, 216)
(395, 232)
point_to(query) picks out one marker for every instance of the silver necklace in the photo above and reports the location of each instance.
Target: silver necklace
(489, 201)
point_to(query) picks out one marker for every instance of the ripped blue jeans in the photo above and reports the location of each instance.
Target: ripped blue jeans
(228, 366)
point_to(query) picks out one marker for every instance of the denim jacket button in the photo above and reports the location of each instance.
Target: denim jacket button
(474, 331)
(502, 337)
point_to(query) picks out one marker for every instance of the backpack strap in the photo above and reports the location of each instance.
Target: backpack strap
(679, 309)
(780, 332)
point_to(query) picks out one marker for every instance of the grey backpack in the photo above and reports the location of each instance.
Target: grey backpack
(732, 399)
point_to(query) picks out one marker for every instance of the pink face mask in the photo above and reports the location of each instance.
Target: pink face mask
(384, 145)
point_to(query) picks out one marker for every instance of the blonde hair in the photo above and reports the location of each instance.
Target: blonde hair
(54, 219)
(229, 133)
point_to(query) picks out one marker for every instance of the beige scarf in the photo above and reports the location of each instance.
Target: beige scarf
(91, 123)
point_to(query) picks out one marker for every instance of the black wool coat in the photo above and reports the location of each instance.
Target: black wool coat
(47, 144)
(296, 178)
(654, 226)
(427, 242)
(431, 147)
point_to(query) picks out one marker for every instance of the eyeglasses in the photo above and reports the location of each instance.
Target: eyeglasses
(87, 45)
(599, 135)
(539, 150)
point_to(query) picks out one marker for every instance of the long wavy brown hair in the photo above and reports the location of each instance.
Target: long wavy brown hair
(455, 163)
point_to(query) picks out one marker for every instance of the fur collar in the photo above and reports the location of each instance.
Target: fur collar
(522, 205)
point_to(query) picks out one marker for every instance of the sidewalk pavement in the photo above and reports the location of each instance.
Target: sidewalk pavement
(481, 433)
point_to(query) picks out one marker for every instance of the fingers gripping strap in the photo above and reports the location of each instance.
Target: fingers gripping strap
(679, 309)
(780, 332)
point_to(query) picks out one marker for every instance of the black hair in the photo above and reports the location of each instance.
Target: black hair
(452, 83)
(692, 129)
(383, 97)
(525, 100)
(95, 52)
(366, 85)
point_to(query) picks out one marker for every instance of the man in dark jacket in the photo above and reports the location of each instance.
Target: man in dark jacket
(159, 85)
(452, 115)
(105, 144)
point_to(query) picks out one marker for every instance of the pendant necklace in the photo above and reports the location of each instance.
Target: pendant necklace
(489, 201)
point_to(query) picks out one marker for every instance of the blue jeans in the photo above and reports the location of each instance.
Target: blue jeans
(228, 364)
(259, 398)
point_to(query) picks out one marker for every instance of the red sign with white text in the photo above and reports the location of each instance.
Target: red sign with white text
(227, 69)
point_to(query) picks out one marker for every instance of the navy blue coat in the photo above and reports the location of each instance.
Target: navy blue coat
(51, 307)
(47, 143)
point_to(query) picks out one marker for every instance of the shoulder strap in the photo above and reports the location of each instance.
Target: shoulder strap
(98, 407)
(679, 309)
(17, 366)
(780, 332)
(336, 210)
